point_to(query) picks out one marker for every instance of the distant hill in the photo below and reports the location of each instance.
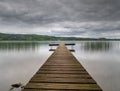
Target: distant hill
(34, 37)
(28, 37)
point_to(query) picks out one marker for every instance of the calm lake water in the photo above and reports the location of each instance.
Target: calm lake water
(19, 61)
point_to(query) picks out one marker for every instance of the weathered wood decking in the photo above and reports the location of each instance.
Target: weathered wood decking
(62, 72)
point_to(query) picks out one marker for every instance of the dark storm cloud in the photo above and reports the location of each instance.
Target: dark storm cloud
(32, 11)
(39, 11)
(83, 17)
(88, 29)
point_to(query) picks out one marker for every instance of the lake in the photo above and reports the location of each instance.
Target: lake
(19, 61)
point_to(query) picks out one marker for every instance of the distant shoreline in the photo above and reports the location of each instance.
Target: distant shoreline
(34, 37)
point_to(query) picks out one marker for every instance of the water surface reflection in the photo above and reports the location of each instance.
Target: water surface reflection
(97, 46)
(19, 61)
(102, 60)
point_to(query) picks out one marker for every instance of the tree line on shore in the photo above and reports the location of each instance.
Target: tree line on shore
(34, 37)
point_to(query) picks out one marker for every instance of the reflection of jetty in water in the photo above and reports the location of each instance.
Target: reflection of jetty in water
(97, 46)
(19, 45)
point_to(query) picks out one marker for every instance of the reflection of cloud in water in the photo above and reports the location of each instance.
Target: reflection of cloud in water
(101, 62)
(20, 66)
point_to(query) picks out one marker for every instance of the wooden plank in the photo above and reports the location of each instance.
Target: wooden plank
(62, 72)
(62, 76)
(61, 66)
(57, 90)
(62, 69)
(72, 50)
(63, 80)
(56, 86)
(58, 44)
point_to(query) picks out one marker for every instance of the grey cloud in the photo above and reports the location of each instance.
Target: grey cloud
(83, 17)
(94, 29)
(33, 12)
(39, 11)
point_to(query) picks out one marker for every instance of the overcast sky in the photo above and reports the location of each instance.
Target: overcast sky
(80, 18)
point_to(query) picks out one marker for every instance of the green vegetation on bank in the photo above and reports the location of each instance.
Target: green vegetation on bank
(34, 37)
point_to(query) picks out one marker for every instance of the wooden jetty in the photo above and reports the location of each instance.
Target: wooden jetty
(62, 72)
(67, 44)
